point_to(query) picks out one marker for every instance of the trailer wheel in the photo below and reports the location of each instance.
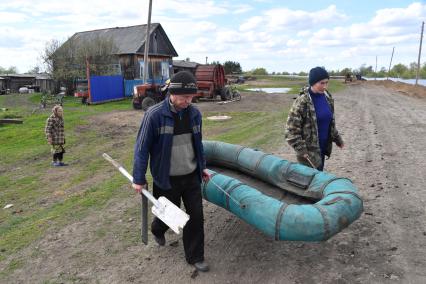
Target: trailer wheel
(147, 103)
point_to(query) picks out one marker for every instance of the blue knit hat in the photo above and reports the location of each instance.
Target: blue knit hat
(317, 74)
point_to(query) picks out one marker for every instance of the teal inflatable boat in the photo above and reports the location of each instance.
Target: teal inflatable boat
(335, 200)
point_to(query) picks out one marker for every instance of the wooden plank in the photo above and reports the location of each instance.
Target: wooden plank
(11, 121)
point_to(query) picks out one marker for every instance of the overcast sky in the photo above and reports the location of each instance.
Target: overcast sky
(277, 35)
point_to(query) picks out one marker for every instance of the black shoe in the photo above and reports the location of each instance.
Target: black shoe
(201, 266)
(161, 241)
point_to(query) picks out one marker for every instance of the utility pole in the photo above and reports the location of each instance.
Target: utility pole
(390, 63)
(206, 59)
(147, 37)
(375, 71)
(144, 199)
(420, 53)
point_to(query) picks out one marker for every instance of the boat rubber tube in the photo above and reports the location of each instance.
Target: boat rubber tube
(338, 202)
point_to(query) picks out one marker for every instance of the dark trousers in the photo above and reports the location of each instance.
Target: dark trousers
(58, 156)
(321, 167)
(188, 189)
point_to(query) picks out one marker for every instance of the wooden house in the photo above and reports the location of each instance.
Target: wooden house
(130, 44)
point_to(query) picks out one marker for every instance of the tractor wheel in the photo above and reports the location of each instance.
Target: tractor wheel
(137, 104)
(147, 103)
(225, 94)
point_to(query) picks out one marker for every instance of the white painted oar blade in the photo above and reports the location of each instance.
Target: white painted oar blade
(170, 214)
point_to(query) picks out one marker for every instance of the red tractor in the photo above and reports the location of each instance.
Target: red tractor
(147, 95)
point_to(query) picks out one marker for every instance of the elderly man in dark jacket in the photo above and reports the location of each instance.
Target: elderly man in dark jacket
(170, 138)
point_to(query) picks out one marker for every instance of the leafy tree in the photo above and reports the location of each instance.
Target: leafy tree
(34, 70)
(259, 71)
(346, 71)
(398, 70)
(10, 70)
(232, 67)
(366, 70)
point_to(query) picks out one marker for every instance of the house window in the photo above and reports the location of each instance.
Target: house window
(158, 71)
(165, 70)
(141, 66)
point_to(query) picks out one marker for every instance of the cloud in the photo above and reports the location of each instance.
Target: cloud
(285, 19)
(277, 37)
(12, 17)
(411, 15)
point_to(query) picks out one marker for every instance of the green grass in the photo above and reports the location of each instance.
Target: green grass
(254, 129)
(335, 86)
(269, 81)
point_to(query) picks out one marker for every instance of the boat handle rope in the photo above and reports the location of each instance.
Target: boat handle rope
(324, 185)
(346, 192)
(227, 194)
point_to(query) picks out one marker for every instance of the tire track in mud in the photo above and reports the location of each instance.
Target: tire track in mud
(390, 211)
(403, 152)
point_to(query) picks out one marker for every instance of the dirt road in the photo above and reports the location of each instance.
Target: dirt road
(385, 152)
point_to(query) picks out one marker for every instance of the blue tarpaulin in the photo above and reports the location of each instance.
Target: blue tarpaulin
(106, 88)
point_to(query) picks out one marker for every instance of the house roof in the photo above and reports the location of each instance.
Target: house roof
(43, 76)
(5, 76)
(128, 40)
(185, 64)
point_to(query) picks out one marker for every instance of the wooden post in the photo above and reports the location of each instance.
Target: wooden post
(420, 53)
(147, 37)
(89, 100)
(11, 121)
(390, 63)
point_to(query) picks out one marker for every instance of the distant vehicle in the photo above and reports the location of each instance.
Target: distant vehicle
(235, 79)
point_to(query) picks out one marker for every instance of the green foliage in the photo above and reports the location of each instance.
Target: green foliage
(67, 61)
(259, 71)
(232, 67)
(10, 70)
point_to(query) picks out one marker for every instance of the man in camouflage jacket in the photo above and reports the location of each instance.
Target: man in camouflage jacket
(302, 132)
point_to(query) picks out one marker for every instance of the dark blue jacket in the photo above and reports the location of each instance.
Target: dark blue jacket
(155, 140)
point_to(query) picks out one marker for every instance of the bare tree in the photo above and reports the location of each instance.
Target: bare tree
(67, 61)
